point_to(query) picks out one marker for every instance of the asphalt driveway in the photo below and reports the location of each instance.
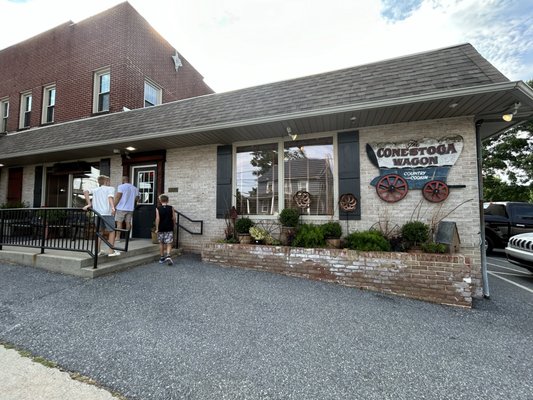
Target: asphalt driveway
(199, 331)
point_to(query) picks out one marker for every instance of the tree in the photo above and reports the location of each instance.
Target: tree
(508, 164)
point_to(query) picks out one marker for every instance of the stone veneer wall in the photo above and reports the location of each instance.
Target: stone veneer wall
(443, 279)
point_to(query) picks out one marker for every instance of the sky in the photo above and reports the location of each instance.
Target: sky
(241, 43)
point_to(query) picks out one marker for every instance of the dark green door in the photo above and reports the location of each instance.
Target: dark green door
(145, 179)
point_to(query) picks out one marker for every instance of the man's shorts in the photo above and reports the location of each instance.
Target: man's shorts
(124, 216)
(107, 223)
(165, 237)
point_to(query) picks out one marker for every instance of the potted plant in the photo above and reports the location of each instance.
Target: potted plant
(154, 235)
(332, 232)
(415, 233)
(258, 234)
(288, 218)
(242, 226)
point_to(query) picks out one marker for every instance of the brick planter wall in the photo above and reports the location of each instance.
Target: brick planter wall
(437, 278)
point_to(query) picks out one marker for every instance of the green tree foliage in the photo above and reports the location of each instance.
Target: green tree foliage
(508, 164)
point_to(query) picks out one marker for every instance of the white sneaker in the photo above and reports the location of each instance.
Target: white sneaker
(103, 253)
(114, 254)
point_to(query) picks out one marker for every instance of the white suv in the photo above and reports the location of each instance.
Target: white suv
(519, 250)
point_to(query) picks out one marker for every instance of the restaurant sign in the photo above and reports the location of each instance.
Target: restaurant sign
(415, 164)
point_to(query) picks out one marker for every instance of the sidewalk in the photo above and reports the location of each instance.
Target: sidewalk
(23, 379)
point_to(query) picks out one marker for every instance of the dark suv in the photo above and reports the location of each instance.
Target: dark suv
(506, 219)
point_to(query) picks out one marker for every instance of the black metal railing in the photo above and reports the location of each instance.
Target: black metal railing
(188, 225)
(68, 229)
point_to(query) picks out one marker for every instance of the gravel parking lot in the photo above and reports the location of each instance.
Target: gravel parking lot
(199, 331)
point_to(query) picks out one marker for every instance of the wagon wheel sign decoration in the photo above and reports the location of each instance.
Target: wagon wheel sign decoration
(417, 164)
(392, 188)
(302, 199)
(347, 202)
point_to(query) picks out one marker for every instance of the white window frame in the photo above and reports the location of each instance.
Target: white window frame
(4, 116)
(281, 173)
(157, 89)
(96, 90)
(47, 90)
(25, 108)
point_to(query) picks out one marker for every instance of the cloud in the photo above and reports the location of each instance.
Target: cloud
(394, 10)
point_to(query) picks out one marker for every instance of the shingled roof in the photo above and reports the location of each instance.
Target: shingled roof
(255, 112)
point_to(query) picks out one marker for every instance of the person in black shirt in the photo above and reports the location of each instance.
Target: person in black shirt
(165, 220)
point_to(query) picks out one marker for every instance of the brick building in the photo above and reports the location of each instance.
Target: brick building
(104, 64)
(399, 137)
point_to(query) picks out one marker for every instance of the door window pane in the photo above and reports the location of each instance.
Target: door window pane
(146, 186)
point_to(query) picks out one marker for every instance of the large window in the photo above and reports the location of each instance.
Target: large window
(152, 94)
(102, 87)
(49, 103)
(257, 177)
(25, 110)
(308, 167)
(304, 165)
(4, 114)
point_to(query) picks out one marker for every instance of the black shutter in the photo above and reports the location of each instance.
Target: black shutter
(349, 175)
(224, 173)
(38, 186)
(105, 166)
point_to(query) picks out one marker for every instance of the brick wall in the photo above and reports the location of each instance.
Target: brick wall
(443, 279)
(68, 55)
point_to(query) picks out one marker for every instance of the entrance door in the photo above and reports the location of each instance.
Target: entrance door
(145, 179)
(14, 186)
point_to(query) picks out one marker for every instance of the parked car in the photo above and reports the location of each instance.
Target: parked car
(519, 250)
(504, 220)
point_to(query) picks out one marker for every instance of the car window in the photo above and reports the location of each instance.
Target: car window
(496, 209)
(524, 213)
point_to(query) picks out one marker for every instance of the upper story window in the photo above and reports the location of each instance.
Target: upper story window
(4, 114)
(102, 86)
(25, 110)
(152, 94)
(49, 103)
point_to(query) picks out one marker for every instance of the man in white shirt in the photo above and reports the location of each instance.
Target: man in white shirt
(125, 200)
(103, 203)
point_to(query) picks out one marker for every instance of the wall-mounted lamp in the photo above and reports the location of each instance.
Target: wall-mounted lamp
(509, 117)
(292, 135)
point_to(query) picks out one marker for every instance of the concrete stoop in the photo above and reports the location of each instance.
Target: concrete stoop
(140, 252)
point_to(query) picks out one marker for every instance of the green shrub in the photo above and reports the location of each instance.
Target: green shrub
(289, 217)
(309, 235)
(14, 204)
(331, 230)
(434, 248)
(415, 233)
(367, 241)
(243, 225)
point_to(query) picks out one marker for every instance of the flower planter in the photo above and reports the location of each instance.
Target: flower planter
(333, 243)
(244, 238)
(437, 278)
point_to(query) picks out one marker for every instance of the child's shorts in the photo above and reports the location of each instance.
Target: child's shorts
(165, 237)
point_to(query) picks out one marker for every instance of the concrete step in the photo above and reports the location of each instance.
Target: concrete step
(140, 252)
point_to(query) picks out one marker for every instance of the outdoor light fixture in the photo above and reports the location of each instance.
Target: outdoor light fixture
(509, 117)
(292, 135)
(131, 148)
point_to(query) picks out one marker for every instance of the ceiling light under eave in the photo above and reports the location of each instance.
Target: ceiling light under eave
(509, 116)
(131, 148)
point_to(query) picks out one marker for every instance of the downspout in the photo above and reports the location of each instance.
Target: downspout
(484, 274)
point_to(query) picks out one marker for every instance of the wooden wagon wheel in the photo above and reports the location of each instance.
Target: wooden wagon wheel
(302, 199)
(347, 202)
(392, 188)
(435, 191)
